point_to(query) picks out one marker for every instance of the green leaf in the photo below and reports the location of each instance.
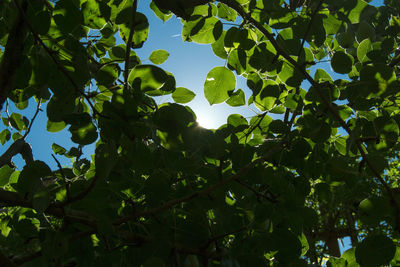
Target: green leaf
(331, 24)
(182, 95)
(107, 74)
(349, 256)
(83, 134)
(93, 17)
(227, 13)
(59, 106)
(140, 30)
(18, 121)
(237, 60)
(342, 62)
(287, 245)
(5, 135)
(159, 56)
(218, 47)
(265, 100)
(202, 30)
(57, 149)
(286, 40)
(346, 39)
(5, 173)
(278, 126)
(364, 31)
(304, 244)
(106, 157)
(362, 50)
(236, 120)
(30, 177)
(147, 77)
(39, 18)
(355, 13)
(16, 136)
(160, 14)
(41, 201)
(336, 262)
(54, 127)
(375, 250)
(237, 99)
(219, 82)
(373, 210)
(67, 16)
(321, 76)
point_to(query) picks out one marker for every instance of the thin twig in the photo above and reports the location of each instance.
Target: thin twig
(261, 117)
(82, 194)
(257, 193)
(309, 27)
(64, 178)
(33, 119)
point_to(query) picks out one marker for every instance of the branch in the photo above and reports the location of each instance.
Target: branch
(203, 192)
(33, 119)
(11, 59)
(13, 199)
(129, 45)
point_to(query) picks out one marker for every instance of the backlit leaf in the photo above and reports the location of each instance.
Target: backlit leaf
(182, 95)
(159, 56)
(219, 82)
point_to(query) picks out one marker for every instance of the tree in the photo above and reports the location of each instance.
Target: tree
(162, 191)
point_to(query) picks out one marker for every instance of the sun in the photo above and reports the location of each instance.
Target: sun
(206, 121)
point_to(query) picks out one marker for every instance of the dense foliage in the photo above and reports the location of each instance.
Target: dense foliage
(162, 191)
